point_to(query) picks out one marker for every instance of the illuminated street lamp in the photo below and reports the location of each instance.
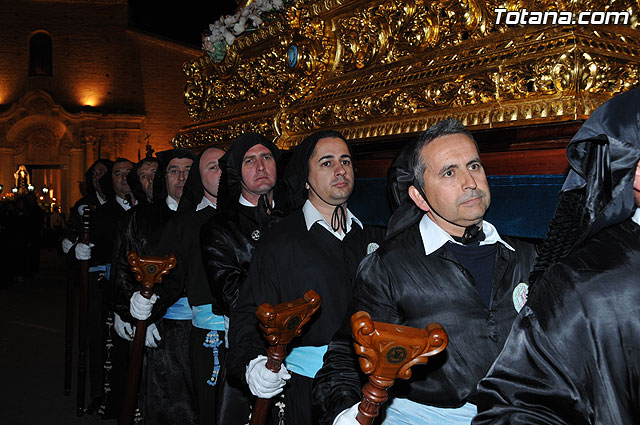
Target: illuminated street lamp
(45, 190)
(30, 187)
(14, 189)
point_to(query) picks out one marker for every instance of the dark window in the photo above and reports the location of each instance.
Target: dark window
(40, 54)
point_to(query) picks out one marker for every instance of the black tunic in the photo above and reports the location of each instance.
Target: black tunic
(289, 261)
(400, 284)
(574, 358)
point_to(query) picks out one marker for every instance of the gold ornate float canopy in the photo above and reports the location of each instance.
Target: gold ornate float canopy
(377, 69)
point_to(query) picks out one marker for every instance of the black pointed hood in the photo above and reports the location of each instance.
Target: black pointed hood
(400, 177)
(603, 157)
(230, 185)
(297, 171)
(193, 189)
(87, 176)
(134, 180)
(164, 157)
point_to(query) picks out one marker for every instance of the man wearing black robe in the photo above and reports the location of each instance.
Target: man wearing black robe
(573, 354)
(93, 198)
(440, 262)
(246, 208)
(319, 247)
(182, 234)
(166, 368)
(103, 223)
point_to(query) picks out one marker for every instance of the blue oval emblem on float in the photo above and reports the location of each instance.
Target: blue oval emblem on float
(292, 56)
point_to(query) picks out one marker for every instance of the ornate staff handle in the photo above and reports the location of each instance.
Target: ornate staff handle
(388, 352)
(280, 324)
(148, 271)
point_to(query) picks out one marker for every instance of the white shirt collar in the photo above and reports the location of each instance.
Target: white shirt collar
(433, 236)
(204, 203)
(100, 198)
(125, 205)
(312, 216)
(636, 216)
(172, 203)
(243, 201)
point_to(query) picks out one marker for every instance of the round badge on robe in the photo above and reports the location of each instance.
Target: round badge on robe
(372, 247)
(255, 235)
(520, 296)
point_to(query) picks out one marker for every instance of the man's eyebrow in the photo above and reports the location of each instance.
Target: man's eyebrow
(446, 168)
(248, 157)
(326, 157)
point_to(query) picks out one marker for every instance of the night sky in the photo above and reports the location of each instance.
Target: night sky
(181, 20)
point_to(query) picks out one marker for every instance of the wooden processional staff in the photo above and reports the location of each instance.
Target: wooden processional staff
(148, 271)
(280, 324)
(83, 318)
(388, 352)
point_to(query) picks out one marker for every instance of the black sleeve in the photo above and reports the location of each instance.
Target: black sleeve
(122, 279)
(530, 383)
(224, 271)
(172, 286)
(338, 384)
(245, 338)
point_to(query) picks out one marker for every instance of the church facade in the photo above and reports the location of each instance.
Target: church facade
(76, 84)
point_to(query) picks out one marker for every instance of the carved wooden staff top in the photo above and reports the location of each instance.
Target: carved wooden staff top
(387, 352)
(149, 270)
(280, 324)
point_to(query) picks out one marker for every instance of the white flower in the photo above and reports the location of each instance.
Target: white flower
(230, 20)
(255, 20)
(238, 28)
(228, 37)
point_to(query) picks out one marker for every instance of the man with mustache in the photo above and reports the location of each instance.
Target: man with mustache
(317, 246)
(440, 262)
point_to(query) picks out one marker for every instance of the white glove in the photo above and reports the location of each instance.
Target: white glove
(83, 251)
(152, 337)
(123, 329)
(66, 245)
(140, 307)
(347, 416)
(262, 382)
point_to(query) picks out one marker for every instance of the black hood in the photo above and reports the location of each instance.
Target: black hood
(134, 181)
(164, 157)
(106, 182)
(603, 157)
(87, 176)
(400, 177)
(230, 185)
(297, 171)
(193, 189)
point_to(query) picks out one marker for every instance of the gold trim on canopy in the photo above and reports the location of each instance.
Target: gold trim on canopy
(375, 69)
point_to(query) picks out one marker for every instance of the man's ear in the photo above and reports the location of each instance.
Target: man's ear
(417, 198)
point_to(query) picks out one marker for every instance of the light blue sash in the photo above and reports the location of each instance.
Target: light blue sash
(180, 310)
(306, 361)
(402, 411)
(204, 318)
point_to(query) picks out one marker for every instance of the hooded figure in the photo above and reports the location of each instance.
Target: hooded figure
(317, 246)
(228, 241)
(571, 357)
(166, 363)
(134, 180)
(426, 272)
(183, 235)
